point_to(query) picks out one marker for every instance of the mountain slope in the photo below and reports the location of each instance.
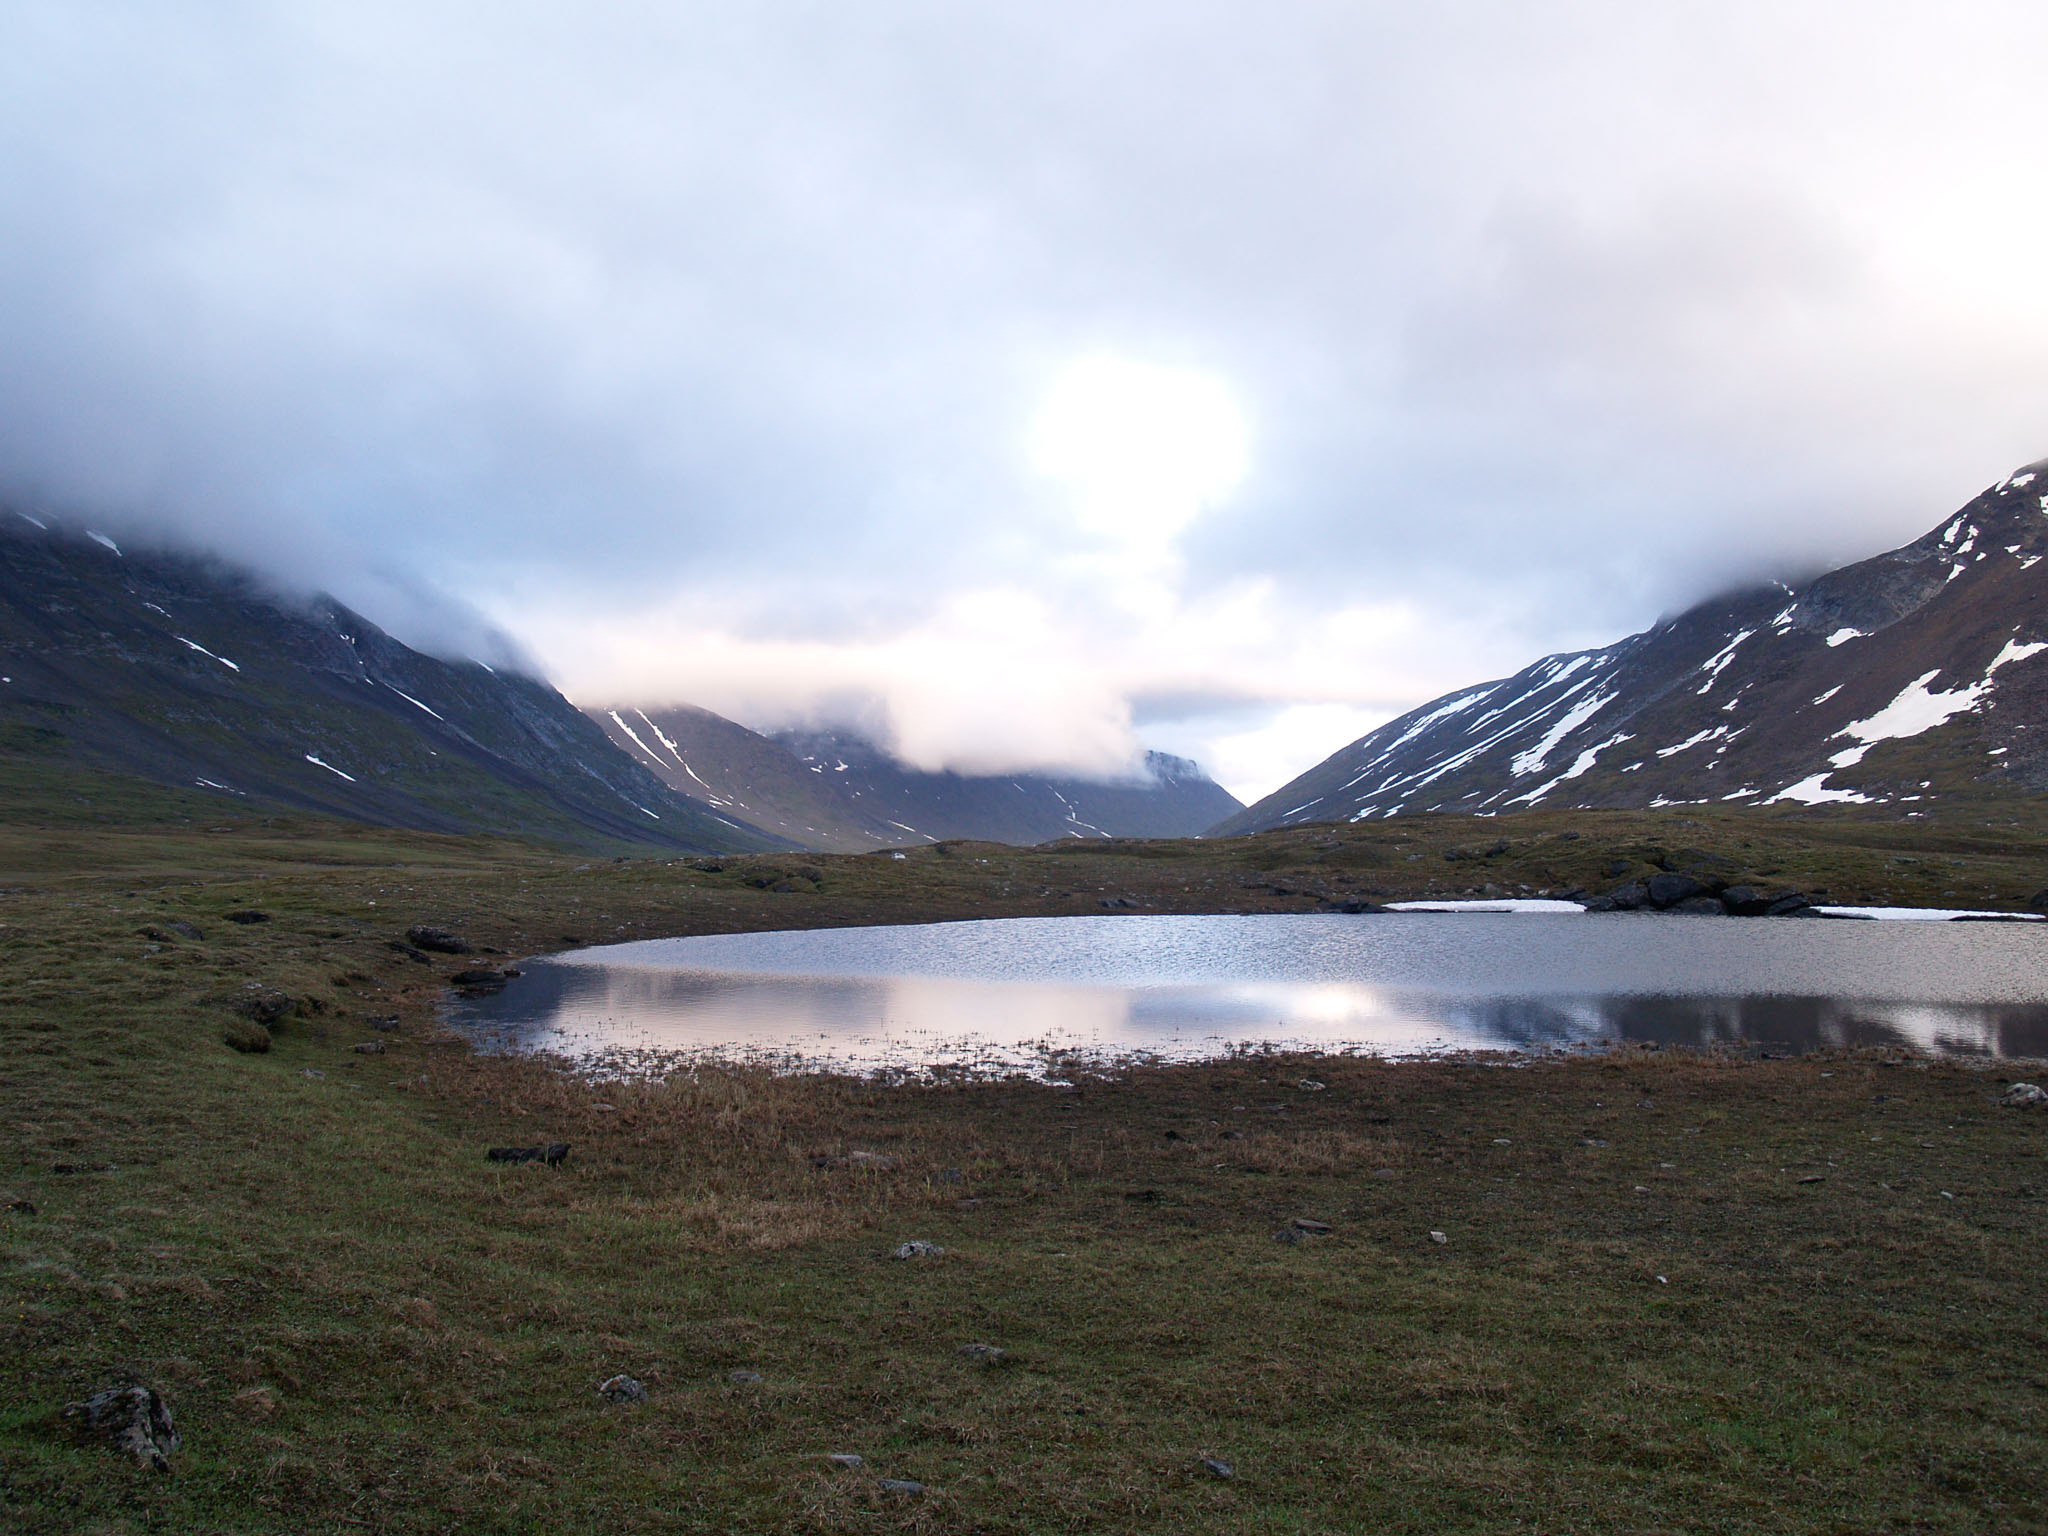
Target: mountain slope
(183, 672)
(837, 792)
(1905, 678)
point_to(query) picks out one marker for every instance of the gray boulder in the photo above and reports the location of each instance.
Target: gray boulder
(135, 1421)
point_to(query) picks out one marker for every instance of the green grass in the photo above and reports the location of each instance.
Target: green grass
(361, 1325)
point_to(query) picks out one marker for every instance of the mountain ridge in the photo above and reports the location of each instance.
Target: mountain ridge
(184, 670)
(835, 791)
(1904, 677)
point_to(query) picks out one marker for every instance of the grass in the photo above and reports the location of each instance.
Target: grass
(1643, 1317)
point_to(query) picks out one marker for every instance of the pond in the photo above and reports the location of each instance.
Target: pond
(1018, 993)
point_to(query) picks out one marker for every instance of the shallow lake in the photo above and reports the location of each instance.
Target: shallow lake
(1020, 992)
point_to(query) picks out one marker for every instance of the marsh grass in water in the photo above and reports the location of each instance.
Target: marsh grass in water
(1673, 1292)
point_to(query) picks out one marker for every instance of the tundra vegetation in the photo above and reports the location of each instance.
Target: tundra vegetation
(1628, 1292)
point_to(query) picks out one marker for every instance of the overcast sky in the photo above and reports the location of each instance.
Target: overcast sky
(1025, 381)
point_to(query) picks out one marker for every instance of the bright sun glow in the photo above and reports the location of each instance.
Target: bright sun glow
(1142, 448)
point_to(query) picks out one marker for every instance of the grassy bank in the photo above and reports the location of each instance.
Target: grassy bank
(1673, 1293)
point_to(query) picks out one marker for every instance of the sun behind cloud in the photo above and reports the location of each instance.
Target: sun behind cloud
(1141, 448)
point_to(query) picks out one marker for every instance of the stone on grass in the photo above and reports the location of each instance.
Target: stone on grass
(621, 1389)
(881, 1161)
(440, 940)
(1439, 1237)
(745, 1378)
(370, 1048)
(1217, 1467)
(1308, 1228)
(134, 1420)
(262, 1005)
(847, 1459)
(2024, 1096)
(899, 1485)
(985, 1354)
(919, 1248)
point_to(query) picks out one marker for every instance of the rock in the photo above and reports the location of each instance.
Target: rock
(1813, 1178)
(918, 1248)
(1310, 1085)
(1744, 901)
(1667, 890)
(880, 1161)
(248, 917)
(1309, 1228)
(1788, 904)
(22, 1207)
(478, 981)
(984, 1354)
(134, 1420)
(1439, 1237)
(622, 1389)
(1384, 1173)
(2023, 1096)
(1218, 1468)
(901, 1485)
(439, 940)
(262, 1005)
(314, 1074)
(1354, 906)
(1631, 897)
(745, 1378)
(1698, 906)
(183, 930)
(1616, 868)
(383, 1025)
(249, 1038)
(846, 1459)
(370, 1048)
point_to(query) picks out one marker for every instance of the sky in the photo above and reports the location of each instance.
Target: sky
(1023, 384)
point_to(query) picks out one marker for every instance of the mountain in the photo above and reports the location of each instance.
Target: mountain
(185, 672)
(1904, 679)
(836, 792)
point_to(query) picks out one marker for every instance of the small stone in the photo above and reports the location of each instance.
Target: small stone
(370, 1048)
(1384, 1173)
(882, 1161)
(1439, 1237)
(622, 1389)
(845, 1459)
(1503, 1141)
(134, 1420)
(984, 1354)
(899, 1485)
(2023, 1096)
(315, 1074)
(1310, 1085)
(1813, 1178)
(440, 940)
(745, 1378)
(918, 1248)
(1308, 1228)
(1218, 1468)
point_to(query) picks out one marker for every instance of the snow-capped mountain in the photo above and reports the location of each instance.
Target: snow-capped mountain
(1901, 680)
(836, 792)
(189, 674)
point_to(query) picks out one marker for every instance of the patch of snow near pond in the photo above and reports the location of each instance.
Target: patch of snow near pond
(1506, 904)
(1927, 914)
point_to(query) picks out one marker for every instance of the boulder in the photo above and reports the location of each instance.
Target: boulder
(261, 1005)
(1668, 890)
(1629, 897)
(918, 1248)
(439, 940)
(1216, 1467)
(1787, 904)
(622, 1389)
(1698, 906)
(2024, 1096)
(134, 1420)
(985, 1354)
(1744, 901)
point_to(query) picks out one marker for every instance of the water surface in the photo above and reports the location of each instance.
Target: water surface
(1017, 992)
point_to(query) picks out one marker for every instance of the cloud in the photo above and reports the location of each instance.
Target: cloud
(702, 348)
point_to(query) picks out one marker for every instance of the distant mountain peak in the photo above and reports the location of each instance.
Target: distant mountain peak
(1896, 680)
